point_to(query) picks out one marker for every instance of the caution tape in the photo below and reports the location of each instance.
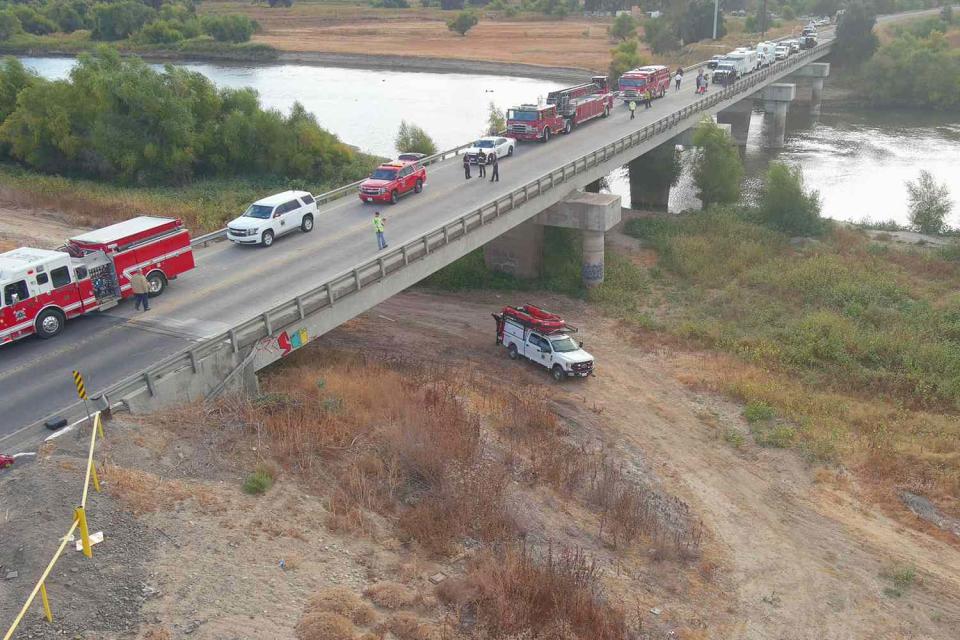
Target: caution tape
(79, 522)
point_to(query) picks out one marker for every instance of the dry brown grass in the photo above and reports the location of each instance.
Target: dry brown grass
(343, 602)
(556, 595)
(407, 626)
(391, 595)
(142, 492)
(324, 625)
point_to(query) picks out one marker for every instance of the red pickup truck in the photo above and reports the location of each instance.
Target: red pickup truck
(394, 179)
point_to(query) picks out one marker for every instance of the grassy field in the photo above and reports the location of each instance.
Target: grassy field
(847, 348)
(79, 41)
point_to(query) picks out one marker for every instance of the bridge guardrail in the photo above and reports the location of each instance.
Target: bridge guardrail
(353, 280)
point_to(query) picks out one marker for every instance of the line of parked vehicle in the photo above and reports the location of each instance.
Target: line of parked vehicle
(729, 67)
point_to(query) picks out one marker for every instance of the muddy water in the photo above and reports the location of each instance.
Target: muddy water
(858, 161)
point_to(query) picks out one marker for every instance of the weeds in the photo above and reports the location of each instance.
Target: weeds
(258, 482)
(734, 438)
(758, 411)
(901, 577)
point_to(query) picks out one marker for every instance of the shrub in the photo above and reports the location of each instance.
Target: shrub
(14, 77)
(390, 4)
(119, 20)
(786, 206)
(778, 436)
(758, 411)
(717, 168)
(160, 32)
(412, 139)
(232, 28)
(929, 203)
(463, 22)
(734, 438)
(65, 16)
(33, 21)
(9, 24)
(496, 120)
(258, 482)
(624, 27)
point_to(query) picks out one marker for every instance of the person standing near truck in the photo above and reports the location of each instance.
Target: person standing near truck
(647, 97)
(679, 77)
(633, 108)
(482, 163)
(141, 290)
(466, 167)
(378, 228)
(495, 162)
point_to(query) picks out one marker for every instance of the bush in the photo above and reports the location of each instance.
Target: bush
(119, 20)
(65, 16)
(33, 21)
(14, 77)
(757, 411)
(9, 24)
(930, 203)
(496, 120)
(856, 40)
(412, 139)
(463, 22)
(233, 28)
(258, 482)
(160, 32)
(914, 72)
(717, 168)
(624, 27)
(786, 206)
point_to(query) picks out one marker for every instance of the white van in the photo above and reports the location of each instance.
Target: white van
(742, 61)
(766, 53)
(271, 217)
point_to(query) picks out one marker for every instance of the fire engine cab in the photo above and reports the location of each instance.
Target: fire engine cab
(544, 338)
(654, 78)
(41, 289)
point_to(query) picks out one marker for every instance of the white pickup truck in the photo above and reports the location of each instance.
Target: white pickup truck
(543, 342)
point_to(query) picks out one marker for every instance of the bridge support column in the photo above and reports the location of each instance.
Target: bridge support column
(594, 214)
(776, 102)
(518, 252)
(593, 187)
(738, 117)
(809, 80)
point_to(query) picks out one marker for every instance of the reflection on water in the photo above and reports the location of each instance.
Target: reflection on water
(364, 108)
(858, 161)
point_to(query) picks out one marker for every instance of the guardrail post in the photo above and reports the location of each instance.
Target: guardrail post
(148, 377)
(383, 269)
(496, 204)
(267, 323)
(81, 517)
(403, 252)
(426, 245)
(193, 362)
(233, 341)
(356, 278)
(330, 294)
(512, 205)
(300, 309)
(463, 221)
(446, 235)
(47, 613)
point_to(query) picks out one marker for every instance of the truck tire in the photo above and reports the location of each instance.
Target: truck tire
(50, 323)
(558, 373)
(417, 188)
(157, 283)
(306, 224)
(512, 352)
(267, 238)
(546, 135)
(394, 196)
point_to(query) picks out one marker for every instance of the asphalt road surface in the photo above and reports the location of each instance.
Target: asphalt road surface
(233, 283)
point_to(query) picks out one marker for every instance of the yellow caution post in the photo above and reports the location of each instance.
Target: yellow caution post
(48, 614)
(84, 532)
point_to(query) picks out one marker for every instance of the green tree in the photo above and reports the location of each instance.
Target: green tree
(624, 27)
(717, 168)
(946, 13)
(695, 23)
(788, 12)
(496, 120)
(623, 58)
(65, 16)
(232, 28)
(856, 41)
(661, 35)
(119, 20)
(9, 24)
(390, 4)
(463, 22)
(786, 206)
(921, 73)
(929, 203)
(33, 21)
(413, 139)
(14, 78)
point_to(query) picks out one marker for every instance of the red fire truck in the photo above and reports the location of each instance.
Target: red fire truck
(654, 77)
(42, 289)
(565, 109)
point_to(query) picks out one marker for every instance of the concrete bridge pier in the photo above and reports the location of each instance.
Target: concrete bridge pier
(649, 188)
(737, 116)
(776, 99)
(809, 81)
(594, 214)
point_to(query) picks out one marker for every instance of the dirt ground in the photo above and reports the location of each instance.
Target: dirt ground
(791, 551)
(574, 42)
(28, 227)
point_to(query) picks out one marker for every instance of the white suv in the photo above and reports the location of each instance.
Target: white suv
(271, 217)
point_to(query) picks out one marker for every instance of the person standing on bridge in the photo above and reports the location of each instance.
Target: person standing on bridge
(482, 163)
(495, 163)
(632, 105)
(141, 290)
(378, 228)
(647, 98)
(466, 167)
(679, 77)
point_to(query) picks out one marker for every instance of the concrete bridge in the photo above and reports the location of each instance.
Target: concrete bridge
(245, 308)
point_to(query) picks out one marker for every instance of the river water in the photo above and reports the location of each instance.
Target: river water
(859, 161)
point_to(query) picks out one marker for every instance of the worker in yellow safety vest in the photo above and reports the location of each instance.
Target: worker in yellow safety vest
(378, 227)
